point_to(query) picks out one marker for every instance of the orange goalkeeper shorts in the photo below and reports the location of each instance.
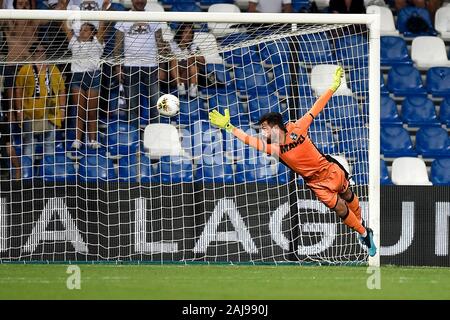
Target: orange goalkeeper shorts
(331, 183)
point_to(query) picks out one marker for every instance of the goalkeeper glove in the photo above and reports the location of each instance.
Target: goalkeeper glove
(221, 121)
(338, 75)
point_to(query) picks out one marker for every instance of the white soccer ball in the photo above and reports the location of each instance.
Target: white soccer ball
(168, 105)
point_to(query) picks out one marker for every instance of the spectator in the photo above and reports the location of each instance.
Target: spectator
(140, 43)
(270, 6)
(87, 50)
(9, 4)
(41, 100)
(185, 68)
(347, 6)
(431, 5)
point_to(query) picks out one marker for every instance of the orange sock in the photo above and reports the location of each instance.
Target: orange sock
(353, 222)
(353, 205)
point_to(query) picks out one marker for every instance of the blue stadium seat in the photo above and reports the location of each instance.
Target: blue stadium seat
(123, 140)
(232, 39)
(252, 79)
(433, 142)
(96, 168)
(175, 169)
(236, 149)
(247, 172)
(222, 77)
(242, 56)
(359, 80)
(354, 142)
(352, 50)
(383, 88)
(304, 87)
(185, 6)
(343, 111)
(259, 105)
(444, 113)
(191, 110)
(57, 168)
(438, 81)
(220, 172)
(300, 5)
(210, 2)
(406, 13)
(315, 49)
(396, 142)
(322, 137)
(128, 168)
(275, 52)
(440, 171)
(229, 101)
(282, 78)
(394, 51)
(360, 173)
(419, 111)
(206, 142)
(172, 2)
(388, 112)
(405, 80)
(384, 173)
(147, 171)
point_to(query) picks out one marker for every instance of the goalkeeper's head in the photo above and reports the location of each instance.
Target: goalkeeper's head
(272, 127)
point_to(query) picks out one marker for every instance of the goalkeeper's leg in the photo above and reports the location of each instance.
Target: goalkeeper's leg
(352, 202)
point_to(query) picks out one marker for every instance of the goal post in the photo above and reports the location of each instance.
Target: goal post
(194, 218)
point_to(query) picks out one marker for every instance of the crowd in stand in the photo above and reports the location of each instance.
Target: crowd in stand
(35, 96)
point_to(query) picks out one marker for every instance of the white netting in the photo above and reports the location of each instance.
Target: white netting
(200, 194)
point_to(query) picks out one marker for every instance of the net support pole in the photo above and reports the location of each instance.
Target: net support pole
(374, 134)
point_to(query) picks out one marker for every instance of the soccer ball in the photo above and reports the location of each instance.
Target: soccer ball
(168, 105)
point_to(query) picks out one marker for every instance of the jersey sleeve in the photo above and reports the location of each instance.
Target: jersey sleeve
(252, 141)
(321, 103)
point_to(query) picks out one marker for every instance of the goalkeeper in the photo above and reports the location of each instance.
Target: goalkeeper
(322, 174)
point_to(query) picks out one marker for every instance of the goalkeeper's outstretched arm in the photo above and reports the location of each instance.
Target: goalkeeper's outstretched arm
(223, 122)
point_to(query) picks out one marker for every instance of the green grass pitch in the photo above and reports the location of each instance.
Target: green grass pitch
(222, 282)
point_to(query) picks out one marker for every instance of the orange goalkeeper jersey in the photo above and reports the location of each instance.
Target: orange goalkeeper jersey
(298, 152)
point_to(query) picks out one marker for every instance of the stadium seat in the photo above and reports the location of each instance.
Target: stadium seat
(252, 79)
(352, 50)
(354, 142)
(396, 142)
(438, 81)
(162, 139)
(409, 171)
(322, 137)
(256, 172)
(387, 25)
(275, 52)
(424, 57)
(442, 22)
(211, 2)
(185, 6)
(384, 173)
(242, 56)
(221, 29)
(404, 16)
(359, 81)
(405, 80)
(419, 111)
(27, 168)
(172, 2)
(440, 171)
(191, 110)
(207, 142)
(360, 173)
(57, 168)
(122, 142)
(208, 46)
(315, 49)
(389, 112)
(128, 168)
(146, 170)
(282, 79)
(215, 172)
(235, 149)
(175, 169)
(300, 5)
(322, 78)
(343, 111)
(433, 142)
(383, 87)
(230, 101)
(220, 76)
(444, 113)
(393, 51)
(259, 105)
(96, 168)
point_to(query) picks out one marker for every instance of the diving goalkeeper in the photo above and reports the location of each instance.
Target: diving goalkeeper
(321, 173)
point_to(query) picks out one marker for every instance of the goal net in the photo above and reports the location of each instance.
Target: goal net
(92, 172)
